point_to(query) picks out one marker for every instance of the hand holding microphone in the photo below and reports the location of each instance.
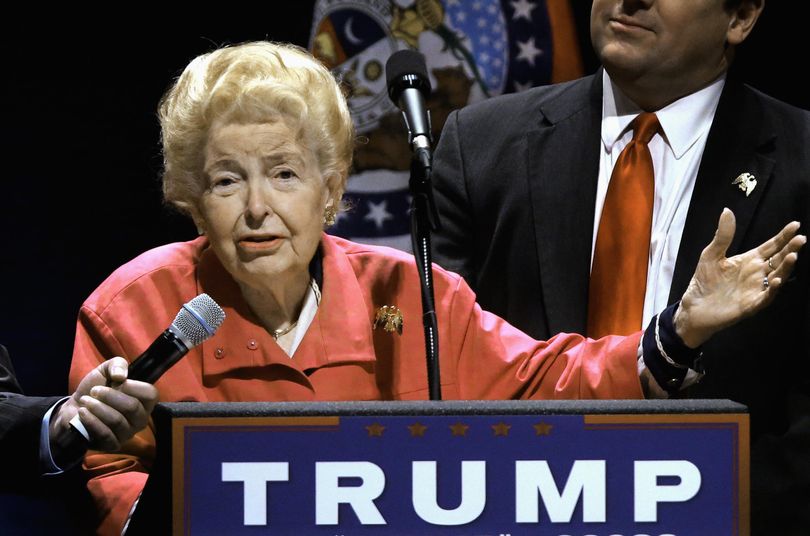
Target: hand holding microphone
(107, 408)
(114, 401)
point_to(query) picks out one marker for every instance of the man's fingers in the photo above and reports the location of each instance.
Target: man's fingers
(796, 243)
(124, 412)
(722, 236)
(118, 369)
(784, 269)
(111, 372)
(773, 264)
(112, 418)
(114, 370)
(777, 278)
(782, 238)
(112, 408)
(101, 436)
(146, 393)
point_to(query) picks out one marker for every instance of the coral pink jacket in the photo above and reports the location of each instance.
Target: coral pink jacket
(341, 356)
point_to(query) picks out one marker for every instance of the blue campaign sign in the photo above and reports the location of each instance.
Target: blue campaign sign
(475, 475)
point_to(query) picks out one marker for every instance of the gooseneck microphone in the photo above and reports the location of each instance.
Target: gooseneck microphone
(197, 321)
(408, 87)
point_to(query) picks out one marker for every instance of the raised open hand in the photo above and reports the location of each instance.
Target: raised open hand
(723, 290)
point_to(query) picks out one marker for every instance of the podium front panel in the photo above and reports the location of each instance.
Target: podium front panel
(480, 468)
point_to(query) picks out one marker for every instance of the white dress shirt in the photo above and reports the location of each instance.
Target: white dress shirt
(47, 465)
(676, 155)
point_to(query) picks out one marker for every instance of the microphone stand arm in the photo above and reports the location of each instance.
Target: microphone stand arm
(424, 219)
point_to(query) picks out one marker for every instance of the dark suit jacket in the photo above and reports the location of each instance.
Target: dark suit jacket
(20, 421)
(24, 496)
(515, 182)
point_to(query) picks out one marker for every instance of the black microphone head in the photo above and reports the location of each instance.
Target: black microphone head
(198, 320)
(404, 69)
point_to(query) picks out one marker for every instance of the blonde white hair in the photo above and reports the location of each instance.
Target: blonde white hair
(252, 82)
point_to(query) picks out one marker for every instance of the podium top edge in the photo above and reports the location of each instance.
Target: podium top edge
(454, 407)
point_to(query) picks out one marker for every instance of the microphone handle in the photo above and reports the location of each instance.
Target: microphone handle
(412, 104)
(164, 352)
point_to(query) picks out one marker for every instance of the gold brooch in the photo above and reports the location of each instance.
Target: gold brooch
(390, 318)
(746, 182)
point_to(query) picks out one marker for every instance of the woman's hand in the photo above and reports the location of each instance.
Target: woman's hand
(723, 290)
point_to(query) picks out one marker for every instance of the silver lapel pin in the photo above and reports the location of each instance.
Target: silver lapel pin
(746, 182)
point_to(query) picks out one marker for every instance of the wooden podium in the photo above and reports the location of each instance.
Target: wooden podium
(562, 468)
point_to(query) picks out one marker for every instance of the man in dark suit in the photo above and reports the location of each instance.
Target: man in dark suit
(35, 432)
(521, 180)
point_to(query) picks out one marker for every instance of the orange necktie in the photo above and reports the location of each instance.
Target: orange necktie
(619, 272)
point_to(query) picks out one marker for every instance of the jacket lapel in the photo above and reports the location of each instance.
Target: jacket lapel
(566, 146)
(731, 150)
(340, 331)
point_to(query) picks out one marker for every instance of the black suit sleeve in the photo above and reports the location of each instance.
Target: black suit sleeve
(20, 422)
(8, 381)
(453, 245)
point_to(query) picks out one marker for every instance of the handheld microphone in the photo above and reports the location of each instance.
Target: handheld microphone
(196, 322)
(408, 87)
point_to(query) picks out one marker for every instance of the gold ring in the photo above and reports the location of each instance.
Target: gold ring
(770, 263)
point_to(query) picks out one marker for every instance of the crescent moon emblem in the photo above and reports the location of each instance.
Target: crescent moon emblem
(347, 29)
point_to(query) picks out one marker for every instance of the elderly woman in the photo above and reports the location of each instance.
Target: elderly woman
(257, 142)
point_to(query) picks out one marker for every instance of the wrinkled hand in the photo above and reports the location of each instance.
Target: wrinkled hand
(111, 407)
(723, 290)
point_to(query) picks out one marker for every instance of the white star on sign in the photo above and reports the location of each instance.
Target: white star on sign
(528, 51)
(378, 213)
(523, 8)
